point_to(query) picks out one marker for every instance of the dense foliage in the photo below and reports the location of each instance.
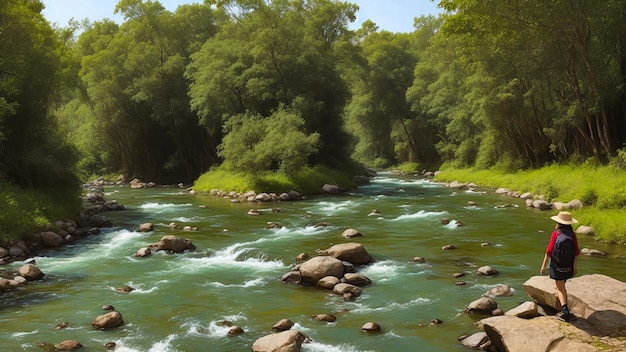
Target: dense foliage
(34, 155)
(487, 83)
(282, 86)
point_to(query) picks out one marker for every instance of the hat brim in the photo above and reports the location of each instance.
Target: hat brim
(564, 222)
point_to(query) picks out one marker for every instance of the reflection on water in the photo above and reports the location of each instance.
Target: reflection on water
(180, 302)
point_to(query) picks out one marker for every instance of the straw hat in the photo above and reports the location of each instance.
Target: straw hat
(564, 218)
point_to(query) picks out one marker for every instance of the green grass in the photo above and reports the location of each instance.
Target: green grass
(602, 189)
(308, 181)
(24, 212)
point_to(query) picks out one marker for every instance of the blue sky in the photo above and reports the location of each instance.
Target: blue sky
(391, 15)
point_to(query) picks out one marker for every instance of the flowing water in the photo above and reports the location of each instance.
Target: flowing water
(181, 300)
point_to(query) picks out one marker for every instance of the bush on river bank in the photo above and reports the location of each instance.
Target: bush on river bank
(602, 189)
(308, 181)
(23, 212)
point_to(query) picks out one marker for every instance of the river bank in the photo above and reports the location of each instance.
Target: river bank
(600, 189)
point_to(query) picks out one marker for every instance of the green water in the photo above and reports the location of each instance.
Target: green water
(234, 274)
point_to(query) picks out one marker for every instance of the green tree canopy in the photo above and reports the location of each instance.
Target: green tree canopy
(33, 153)
(277, 53)
(253, 143)
(134, 78)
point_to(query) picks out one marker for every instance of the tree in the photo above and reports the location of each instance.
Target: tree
(33, 153)
(280, 53)
(378, 104)
(553, 72)
(136, 85)
(253, 143)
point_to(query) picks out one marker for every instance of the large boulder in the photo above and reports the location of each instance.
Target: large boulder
(343, 288)
(511, 333)
(292, 277)
(6, 285)
(541, 204)
(354, 253)
(349, 233)
(286, 341)
(486, 270)
(356, 279)
(545, 333)
(483, 305)
(597, 301)
(501, 290)
(475, 341)
(318, 267)
(328, 282)
(50, 239)
(30, 272)
(585, 230)
(68, 345)
(109, 320)
(146, 227)
(283, 325)
(332, 189)
(598, 298)
(175, 244)
(525, 310)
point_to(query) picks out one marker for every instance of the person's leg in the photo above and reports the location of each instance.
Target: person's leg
(561, 293)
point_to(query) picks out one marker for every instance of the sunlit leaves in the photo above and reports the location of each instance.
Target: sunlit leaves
(253, 143)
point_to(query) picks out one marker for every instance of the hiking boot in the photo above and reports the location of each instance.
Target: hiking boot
(564, 316)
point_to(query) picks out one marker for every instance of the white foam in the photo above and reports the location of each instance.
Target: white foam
(139, 288)
(385, 269)
(419, 215)
(184, 219)
(215, 329)
(258, 282)
(158, 206)
(163, 345)
(335, 207)
(395, 181)
(362, 309)
(234, 256)
(321, 347)
(25, 333)
(115, 241)
(453, 224)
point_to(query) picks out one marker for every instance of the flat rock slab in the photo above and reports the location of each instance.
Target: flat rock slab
(599, 299)
(546, 334)
(513, 334)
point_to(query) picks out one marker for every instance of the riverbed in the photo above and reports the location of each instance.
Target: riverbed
(180, 301)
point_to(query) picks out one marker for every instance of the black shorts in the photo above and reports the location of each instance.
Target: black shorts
(561, 273)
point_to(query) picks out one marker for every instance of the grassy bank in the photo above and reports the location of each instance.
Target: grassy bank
(308, 181)
(24, 212)
(602, 189)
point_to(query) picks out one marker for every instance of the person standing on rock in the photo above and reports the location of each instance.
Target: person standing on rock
(562, 251)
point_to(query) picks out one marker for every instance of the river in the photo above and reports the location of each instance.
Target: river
(179, 301)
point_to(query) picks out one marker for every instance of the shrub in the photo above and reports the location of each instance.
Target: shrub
(253, 143)
(619, 161)
(21, 212)
(616, 199)
(589, 197)
(550, 191)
